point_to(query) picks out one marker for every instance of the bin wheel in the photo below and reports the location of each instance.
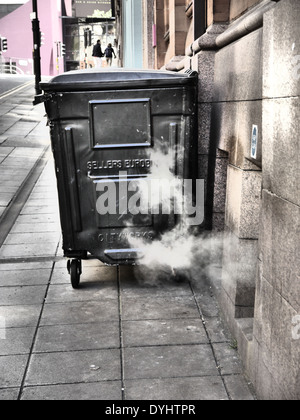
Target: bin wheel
(75, 271)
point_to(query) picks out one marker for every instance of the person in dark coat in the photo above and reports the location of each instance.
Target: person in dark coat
(109, 53)
(98, 54)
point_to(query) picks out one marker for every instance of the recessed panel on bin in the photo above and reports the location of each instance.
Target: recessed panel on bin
(120, 123)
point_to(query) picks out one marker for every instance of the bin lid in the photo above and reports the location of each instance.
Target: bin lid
(82, 80)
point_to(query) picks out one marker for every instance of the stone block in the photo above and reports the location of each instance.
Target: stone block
(263, 380)
(282, 80)
(238, 70)
(281, 152)
(239, 270)
(220, 184)
(243, 202)
(204, 127)
(232, 131)
(204, 63)
(218, 222)
(276, 344)
(280, 247)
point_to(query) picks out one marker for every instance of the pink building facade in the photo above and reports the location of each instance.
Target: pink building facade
(61, 22)
(17, 28)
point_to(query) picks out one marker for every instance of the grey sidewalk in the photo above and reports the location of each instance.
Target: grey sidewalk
(23, 138)
(116, 337)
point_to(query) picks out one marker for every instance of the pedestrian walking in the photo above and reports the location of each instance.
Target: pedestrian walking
(109, 53)
(98, 54)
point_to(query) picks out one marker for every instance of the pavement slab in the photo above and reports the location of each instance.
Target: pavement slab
(92, 336)
(9, 394)
(147, 308)
(169, 362)
(164, 332)
(74, 367)
(177, 389)
(104, 391)
(17, 341)
(25, 278)
(18, 316)
(12, 370)
(80, 312)
(22, 295)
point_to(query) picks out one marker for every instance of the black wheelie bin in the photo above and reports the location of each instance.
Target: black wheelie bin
(104, 127)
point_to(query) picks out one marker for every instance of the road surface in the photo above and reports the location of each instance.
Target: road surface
(12, 81)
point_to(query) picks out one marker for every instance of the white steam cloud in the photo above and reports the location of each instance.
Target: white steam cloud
(182, 251)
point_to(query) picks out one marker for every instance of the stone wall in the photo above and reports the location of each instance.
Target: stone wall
(276, 336)
(237, 107)
(249, 76)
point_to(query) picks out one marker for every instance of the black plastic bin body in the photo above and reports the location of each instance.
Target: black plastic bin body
(107, 123)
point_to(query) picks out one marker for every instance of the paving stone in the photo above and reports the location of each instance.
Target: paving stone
(89, 274)
(217, 331)
(101, 391)
(32, 238)
(227, 358)
(26, 265)
(33, 227)
(38, 218)
(29, 251)
(24, 278)
(28, 295)
(80, 312)
(238, 388)
(74, 367)
(134, 284)
(3, 139)
(159, 308)
(78, 337)
(20, 127)
(168, 332)
(176, 389)
(32, 210)
(87, 292)
(20, 316)
(5, 151)
(9, 394)
(12, 370)
(169, 362)
(16, 341)
(6, 189)
(134, 289)
(5, 199)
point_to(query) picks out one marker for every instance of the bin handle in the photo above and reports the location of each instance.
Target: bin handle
(173, 128)
(72, 179)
